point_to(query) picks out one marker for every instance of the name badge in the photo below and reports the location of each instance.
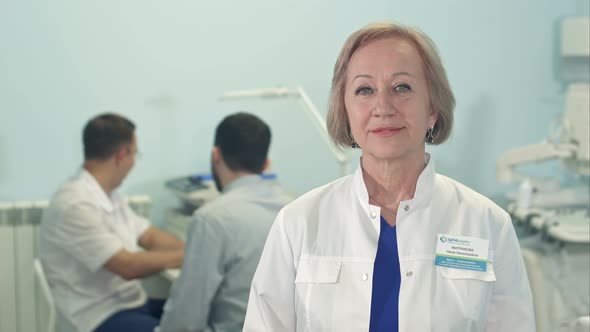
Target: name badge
(461, 252)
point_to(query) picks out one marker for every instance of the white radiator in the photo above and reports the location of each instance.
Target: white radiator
(22, 306)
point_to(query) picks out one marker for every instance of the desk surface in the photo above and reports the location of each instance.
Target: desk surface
(171, 274)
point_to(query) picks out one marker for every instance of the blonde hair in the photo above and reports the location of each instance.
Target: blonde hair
(441, 97)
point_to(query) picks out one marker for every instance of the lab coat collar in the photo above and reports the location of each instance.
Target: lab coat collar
(100, 197)
(244, 180)
(422, 194)
(425, 184)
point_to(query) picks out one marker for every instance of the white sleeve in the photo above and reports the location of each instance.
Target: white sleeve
(83, 234)
(271, 304)
(511, 307)
(138, 223)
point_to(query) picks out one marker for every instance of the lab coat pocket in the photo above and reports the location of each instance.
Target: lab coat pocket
(469, 290)
(320, 271)
(452, 273)
(316, 285)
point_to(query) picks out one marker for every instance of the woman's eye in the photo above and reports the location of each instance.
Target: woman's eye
(363, 91)
(402, 88)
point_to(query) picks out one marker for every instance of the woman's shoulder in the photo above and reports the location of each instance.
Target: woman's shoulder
(457, 193)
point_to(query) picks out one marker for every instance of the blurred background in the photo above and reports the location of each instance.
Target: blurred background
(165, 66)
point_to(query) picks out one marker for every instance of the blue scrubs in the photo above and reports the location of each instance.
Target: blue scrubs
(386, 282)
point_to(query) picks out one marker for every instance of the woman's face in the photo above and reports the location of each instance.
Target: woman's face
(387, 100)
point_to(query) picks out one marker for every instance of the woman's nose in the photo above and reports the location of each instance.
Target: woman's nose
(384, 105)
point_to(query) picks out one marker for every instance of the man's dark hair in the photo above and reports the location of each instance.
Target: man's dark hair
(104, 134)
(243, 139)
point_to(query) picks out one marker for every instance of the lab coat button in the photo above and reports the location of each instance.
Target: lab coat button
(365, 276)
(409, 274)
(373, 214)
(406, 208)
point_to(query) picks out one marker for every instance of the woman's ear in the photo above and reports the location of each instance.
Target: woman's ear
(433, 118)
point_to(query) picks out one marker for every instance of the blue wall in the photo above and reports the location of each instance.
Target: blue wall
(164, 65)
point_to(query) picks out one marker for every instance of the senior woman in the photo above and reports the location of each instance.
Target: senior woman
(395, 246)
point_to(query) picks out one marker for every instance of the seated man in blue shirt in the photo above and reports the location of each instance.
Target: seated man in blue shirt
(227, 235)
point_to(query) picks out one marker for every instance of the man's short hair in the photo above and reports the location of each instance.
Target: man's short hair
(243, 139)
(104, 134)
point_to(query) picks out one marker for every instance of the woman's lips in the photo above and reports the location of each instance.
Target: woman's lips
(385, 131)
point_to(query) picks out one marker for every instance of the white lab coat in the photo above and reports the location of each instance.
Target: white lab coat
(315, 273)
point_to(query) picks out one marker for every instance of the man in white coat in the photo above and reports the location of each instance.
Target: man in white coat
(94, 248)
